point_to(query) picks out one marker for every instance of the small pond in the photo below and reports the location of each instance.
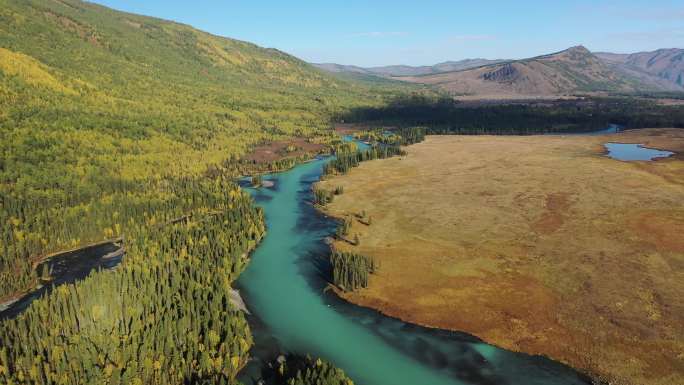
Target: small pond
(629, 151)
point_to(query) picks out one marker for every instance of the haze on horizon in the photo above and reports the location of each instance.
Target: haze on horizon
(402, 32)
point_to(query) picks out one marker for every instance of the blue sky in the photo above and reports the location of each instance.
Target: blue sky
(427, 32)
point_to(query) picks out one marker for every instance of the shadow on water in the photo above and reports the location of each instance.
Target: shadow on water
(65, 269)
(292, 313)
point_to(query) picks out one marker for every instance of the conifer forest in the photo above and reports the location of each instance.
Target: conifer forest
(190, 155)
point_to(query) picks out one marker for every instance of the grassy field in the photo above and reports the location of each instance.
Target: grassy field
(540, 244)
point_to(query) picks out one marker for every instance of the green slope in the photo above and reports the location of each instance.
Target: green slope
(69, 64)
(117, 125)
(92, 99)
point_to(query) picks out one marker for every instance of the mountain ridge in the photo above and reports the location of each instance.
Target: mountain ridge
(565, 72)
(407, 70)
(666, 64)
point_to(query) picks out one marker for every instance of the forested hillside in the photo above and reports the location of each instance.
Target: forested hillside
(117, 125)
(96, 106)
(163, 317)
(446, 116)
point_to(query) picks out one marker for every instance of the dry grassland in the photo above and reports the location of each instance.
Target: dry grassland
(540, 244)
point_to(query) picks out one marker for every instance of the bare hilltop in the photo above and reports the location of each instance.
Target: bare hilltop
(573, 71)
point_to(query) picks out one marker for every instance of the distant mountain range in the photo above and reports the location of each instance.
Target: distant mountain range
(665, 65)
(405, 70)
(574, 70)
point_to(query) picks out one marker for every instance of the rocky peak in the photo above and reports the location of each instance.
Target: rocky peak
(579, 50)
(505, 73)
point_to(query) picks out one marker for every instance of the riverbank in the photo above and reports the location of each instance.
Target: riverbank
(537, 244)
(9, 299)
(284, 286)
(65, 267)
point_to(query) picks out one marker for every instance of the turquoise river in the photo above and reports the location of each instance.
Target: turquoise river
(284, 288)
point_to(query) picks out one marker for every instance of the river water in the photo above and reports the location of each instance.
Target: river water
(291, 312)
(283, 287)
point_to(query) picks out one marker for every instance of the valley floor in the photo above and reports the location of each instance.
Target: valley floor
(540, 244)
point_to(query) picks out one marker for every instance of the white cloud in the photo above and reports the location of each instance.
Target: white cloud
(661, 14)
(378, 34)
(464, 38)
(654, 35)
(635, 13)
